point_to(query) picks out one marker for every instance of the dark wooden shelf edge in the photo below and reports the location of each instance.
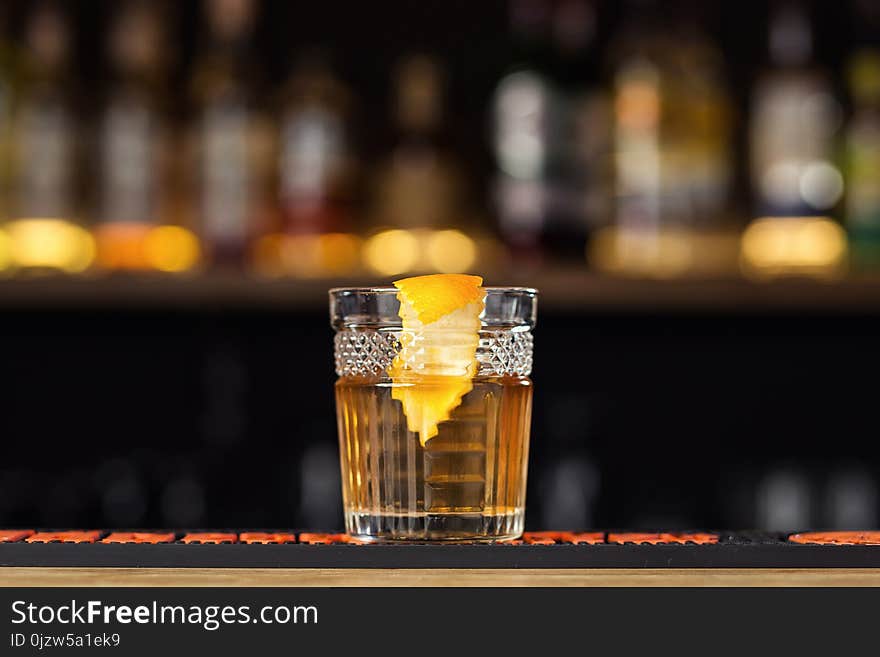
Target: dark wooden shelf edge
(561, 290)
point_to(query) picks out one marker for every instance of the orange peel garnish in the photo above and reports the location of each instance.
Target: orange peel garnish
(436, 364)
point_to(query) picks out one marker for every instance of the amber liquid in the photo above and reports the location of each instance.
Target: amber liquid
(467, 483)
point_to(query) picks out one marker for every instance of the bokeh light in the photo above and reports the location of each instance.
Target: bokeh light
(51, 244)
(821, 185)
(338, 253)
(171, 249)
(392, 252)
(308, 255)
(784, 245)
(120, 245)
(450, 251)
(665, 253)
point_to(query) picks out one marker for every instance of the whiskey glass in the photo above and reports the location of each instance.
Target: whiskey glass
(467, 483)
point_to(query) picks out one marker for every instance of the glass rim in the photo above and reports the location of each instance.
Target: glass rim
(383, 289)
(378, 307)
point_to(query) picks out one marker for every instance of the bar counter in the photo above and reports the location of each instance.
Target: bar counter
(541, 559)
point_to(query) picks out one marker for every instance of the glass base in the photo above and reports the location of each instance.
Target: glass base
(446, 527)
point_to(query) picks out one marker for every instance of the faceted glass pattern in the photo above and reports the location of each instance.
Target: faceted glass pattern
(363, 352)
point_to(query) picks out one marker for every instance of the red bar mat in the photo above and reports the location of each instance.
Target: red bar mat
(265, 538)
(587, 538)
(565, 538)
(558, 549)
(209, 537)
(139, 537)
(13, 535)
(325, 539)
(836, 538)
(65, 537)
(663, 538)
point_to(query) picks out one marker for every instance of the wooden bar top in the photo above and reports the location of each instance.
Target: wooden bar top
(441, 577)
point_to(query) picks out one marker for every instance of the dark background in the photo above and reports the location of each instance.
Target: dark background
(225, 418)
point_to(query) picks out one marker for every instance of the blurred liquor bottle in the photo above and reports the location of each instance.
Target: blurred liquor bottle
(316, 163)
(45, 134)
(314, 177)
(863, 159)
(526, 132)
(232, 144)
(795, 118)
(797, 184)
(862, 169)
(132, 138)
(583, 175)
(45, 175)
(672, 120)
(8, 82)
(420, 183)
